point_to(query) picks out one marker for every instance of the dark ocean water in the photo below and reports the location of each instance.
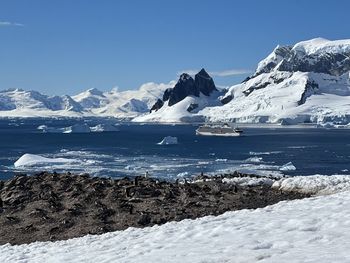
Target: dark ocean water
(133, 150)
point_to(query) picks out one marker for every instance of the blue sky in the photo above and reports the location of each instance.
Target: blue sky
(65, 46)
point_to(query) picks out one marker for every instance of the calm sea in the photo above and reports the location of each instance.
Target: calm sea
(133, 150)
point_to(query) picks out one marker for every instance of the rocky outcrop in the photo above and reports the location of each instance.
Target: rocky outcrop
(50, 206)
(311, 87)
(187, 86)
(159, 103)
(304, 57)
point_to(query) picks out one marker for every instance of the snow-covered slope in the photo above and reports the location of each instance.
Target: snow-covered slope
(18, 102)
(309, 230)
(307, 82)
(116, 103)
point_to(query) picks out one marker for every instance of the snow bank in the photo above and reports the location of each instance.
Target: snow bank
(315, 184)
(308, 230)
(168, 140)
(33, 159)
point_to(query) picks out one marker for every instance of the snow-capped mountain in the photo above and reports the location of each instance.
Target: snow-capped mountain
(130, 103)
(307, 82)
(124, 104)
(32, 103)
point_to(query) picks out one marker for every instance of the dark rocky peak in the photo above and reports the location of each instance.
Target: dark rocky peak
(187, 86)
(204, 83)
(203, 74)
(185, 77)
(183, 88)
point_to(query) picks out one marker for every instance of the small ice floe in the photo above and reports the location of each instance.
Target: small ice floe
(182, 175)
(33, 159)
(254, 160)
(221, 160)
(288, 167)
(45, 128)
(77, 128)
(104, 127)
(264, 153)
(168, 140)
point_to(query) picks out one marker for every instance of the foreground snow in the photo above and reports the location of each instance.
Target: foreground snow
(308, 230)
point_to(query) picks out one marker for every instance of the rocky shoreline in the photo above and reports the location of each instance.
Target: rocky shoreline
(51, 206)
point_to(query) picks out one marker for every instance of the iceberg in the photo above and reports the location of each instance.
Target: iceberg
(77, 128)
(33, 159)
(168, 140)
(288, 167)
(104, 128)
(45, 128)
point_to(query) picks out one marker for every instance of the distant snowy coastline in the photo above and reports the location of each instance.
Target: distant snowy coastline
(305, 83)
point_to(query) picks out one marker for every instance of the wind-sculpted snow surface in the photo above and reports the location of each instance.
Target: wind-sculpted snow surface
(307, 230)
(315, 184)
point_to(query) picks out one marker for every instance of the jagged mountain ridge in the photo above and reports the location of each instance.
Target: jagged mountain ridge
(185, 99)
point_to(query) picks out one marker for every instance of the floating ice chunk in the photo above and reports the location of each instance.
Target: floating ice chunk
(77, 128)
(168, 140)
(254, 160)
(45, 128)
(221, 160)
(183, 174)
(33, 159)
(287, 167)
(104, 127)
(264, 153)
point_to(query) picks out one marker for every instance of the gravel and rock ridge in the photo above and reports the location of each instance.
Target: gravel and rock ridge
(51, 206)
